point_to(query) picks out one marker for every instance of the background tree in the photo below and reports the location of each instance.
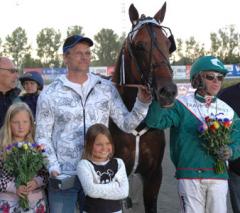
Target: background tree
(107, 47)
(73, 30)
(1, 49)
(177, 57)
(188, 51)
(225, 44)
(16, 45)
(30, 62)
(122, 38)
(215, 44)
(193, 50)
(49, 41)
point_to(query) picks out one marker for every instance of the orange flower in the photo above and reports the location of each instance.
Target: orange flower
(227, 124)
(212, 128)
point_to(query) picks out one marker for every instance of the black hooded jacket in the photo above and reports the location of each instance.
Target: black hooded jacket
(6, 100)
(31, 101)
(231, 95)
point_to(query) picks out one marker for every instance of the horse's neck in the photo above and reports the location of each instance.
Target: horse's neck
(129, 96)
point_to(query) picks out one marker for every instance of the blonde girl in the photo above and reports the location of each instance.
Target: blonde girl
(18, 127)
(103, 178)
(6, 136)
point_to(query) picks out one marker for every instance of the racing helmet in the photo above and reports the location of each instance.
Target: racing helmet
(32, 76)
(205, 63)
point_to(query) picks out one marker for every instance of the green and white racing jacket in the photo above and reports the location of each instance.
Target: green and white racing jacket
(187, 152)
(65, 110)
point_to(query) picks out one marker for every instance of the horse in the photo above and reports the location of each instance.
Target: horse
(144, 59)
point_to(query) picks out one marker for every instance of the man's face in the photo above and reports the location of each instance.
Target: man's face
(78, 58)
(213, 82)
(8, 75)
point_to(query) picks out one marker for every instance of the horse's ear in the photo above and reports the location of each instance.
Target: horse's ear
(161, 13)
(133, 14)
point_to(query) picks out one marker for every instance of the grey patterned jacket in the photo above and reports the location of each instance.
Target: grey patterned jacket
(65, 110)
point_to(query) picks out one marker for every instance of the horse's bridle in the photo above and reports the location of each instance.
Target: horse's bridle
(150, 22)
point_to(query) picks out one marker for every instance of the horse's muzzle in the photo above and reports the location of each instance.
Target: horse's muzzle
(166, 94)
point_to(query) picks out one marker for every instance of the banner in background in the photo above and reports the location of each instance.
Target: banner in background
(184, 89)
(180, 72)
(234, 70)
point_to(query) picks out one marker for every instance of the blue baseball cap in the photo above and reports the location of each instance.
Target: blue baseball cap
(71, 41)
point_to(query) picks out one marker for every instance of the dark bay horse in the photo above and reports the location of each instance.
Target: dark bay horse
(144, 59)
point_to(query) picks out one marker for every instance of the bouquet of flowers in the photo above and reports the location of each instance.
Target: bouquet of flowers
(215, 133)
(23, 160)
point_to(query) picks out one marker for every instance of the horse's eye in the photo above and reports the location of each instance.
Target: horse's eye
(140, 47)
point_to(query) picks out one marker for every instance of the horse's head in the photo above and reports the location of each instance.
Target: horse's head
(145, 54)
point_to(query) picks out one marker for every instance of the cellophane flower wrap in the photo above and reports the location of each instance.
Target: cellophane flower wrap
(23, 160)
(215, 133)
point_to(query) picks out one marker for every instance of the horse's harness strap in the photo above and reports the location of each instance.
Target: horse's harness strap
(143, 131)
(138, 135)
(129, 85)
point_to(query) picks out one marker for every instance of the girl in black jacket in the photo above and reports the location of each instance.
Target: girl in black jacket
(32, 83)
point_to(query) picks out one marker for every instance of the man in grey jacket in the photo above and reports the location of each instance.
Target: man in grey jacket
(70, 105)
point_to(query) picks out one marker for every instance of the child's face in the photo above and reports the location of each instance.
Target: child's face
(30, 86)
(20, 125)
(102, 148)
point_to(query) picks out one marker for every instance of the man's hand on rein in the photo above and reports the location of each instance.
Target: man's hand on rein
(144, 94)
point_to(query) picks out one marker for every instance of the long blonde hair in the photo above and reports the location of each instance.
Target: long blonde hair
(6, 132)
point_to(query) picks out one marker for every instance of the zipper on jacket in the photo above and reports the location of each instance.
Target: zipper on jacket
(83, 106)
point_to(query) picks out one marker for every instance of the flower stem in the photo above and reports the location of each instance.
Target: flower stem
(219, 166)
(23, 202)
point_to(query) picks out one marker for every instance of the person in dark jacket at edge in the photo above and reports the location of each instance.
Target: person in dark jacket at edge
(8, 86)
(231, 95)
(32, 82)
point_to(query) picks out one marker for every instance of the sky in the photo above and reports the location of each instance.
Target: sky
(186, 18)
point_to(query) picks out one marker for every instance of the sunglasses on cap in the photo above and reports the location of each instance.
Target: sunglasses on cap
(11, 70)
(212, 77)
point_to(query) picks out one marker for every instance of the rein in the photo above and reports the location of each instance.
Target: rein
(128, 85)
